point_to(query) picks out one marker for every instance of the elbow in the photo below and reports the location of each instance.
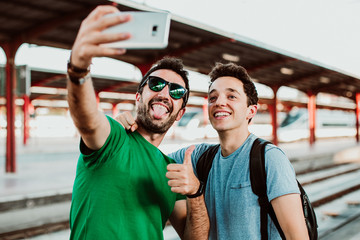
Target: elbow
(297, 235)
(85, 130)
(87, 127)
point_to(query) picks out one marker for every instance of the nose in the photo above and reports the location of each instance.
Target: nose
(164, 93)
(220, 101)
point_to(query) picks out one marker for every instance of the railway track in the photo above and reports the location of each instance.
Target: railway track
(335, 195)
(333, 190)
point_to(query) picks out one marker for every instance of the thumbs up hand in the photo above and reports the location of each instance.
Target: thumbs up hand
(181, 176)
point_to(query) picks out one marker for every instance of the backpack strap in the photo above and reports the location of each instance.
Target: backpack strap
(204, 163)
(258, 186)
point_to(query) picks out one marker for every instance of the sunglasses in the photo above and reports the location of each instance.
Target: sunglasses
(157, 84)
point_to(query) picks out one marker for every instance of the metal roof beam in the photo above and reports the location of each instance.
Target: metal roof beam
(45, 81)
(270, 64)
(45, 27)
(303, 78)
(197, 47)
(344, 83)
(113, 87)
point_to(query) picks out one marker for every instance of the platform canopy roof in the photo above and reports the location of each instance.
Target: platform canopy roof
(55, 23)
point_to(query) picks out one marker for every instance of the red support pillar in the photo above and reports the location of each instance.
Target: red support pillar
(273, 113)
(10, 49)
(26, 118)
(205, 111)
(115, 111)
(312, 117)
(97, 100)
(357, 112)
(205, 115)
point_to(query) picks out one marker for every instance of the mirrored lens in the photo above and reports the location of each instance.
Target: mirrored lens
(176, 91)
(156, 84)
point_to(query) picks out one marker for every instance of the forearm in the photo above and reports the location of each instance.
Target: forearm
(92, 124)
(82, 105)
(290, 215)
(197, 219)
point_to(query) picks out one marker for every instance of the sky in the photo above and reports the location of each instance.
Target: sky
(327, 31)
(324, 31)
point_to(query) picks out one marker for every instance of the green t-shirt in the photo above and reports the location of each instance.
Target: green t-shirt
(120, 191)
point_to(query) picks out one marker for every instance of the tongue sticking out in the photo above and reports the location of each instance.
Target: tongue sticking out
(159, 111)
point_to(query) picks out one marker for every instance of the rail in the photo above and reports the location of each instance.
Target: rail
(333, 190)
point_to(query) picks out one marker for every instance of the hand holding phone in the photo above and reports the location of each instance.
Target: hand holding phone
(149, 30)
(88, 42)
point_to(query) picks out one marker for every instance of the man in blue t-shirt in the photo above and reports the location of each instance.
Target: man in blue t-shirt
(232, 206)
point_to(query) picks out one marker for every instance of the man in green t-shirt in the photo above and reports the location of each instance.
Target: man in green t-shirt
(125, 187)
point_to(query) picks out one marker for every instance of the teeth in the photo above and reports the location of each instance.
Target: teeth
(221, 114)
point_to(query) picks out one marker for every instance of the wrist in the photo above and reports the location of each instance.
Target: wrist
(78, 64)
(77, 75)
(79, 61)
(199, 192)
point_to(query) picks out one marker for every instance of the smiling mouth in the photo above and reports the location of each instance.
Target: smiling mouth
(221, 114)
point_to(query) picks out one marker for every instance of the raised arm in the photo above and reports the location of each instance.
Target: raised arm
(92, 124)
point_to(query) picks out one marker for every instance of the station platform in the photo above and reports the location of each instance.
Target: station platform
(45, 172)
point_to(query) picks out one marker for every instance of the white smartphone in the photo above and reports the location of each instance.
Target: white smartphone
(149, 30)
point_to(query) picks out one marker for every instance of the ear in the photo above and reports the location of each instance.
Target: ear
(137, 96)
(137, 99)
(180, 114)
(251, 112)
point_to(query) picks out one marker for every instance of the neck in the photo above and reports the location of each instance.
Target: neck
(232, 140)
(153, 138)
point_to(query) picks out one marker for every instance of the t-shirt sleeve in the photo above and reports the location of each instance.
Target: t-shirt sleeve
(280, 174)
(112, 145)
(179, 155)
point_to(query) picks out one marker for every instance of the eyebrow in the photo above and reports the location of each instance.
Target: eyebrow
(227, 89)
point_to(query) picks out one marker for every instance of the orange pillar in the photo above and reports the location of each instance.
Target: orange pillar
(10, 49)
(115, 111)
(273, 113)
(26, 118)
(205, 111)
(205, 115)
(312, 117)
(97, 99)
(357, 112)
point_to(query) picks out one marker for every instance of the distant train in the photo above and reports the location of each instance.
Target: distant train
(293, 125)
(329, 123)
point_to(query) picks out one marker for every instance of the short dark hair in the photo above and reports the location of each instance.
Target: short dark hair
(236, 71)
(173, 64)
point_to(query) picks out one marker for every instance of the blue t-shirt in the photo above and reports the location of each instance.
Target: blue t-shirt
(232, 206)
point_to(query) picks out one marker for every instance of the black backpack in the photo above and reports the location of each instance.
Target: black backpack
(258, 185)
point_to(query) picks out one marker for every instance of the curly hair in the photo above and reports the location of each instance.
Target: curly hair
(173, 64)
(236, 71)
